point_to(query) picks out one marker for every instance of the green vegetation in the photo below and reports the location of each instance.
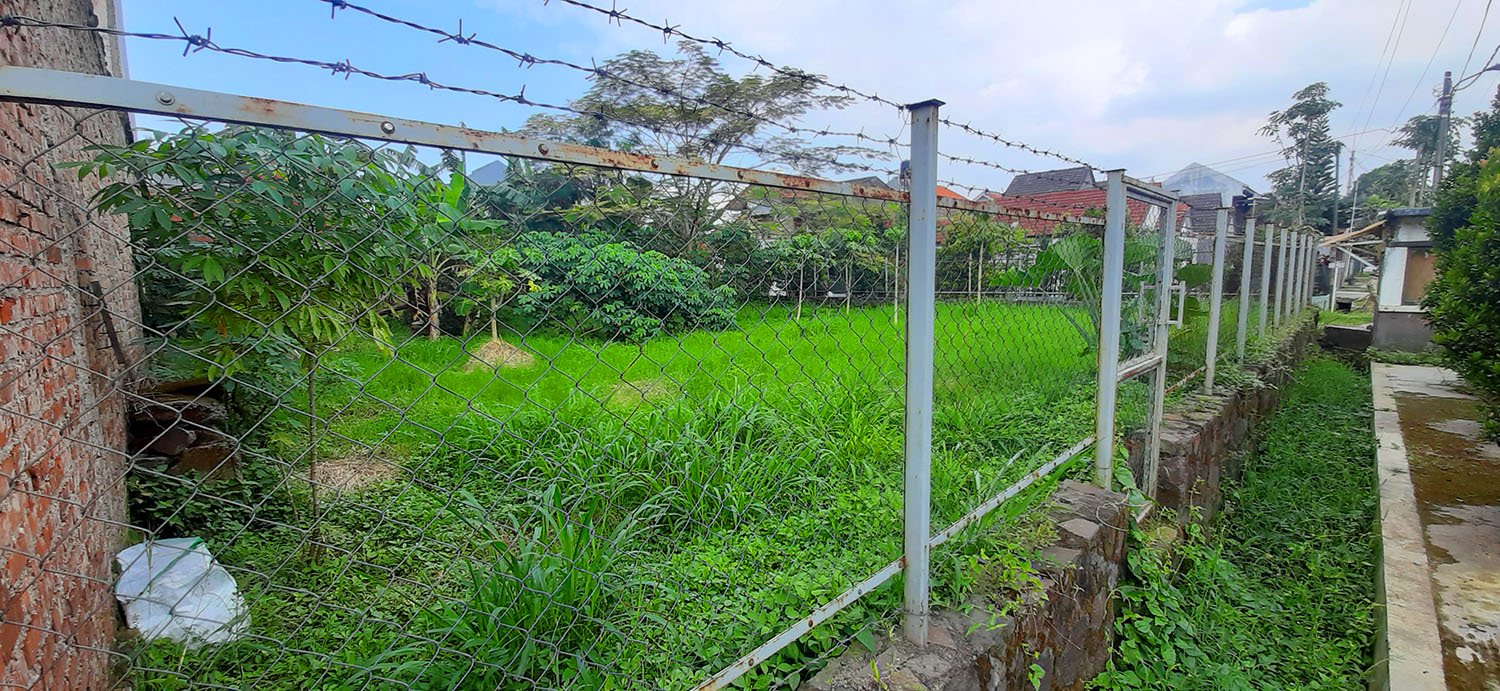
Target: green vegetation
(1280, 594)
(632, 513)
(1345, 318)
(1463, 301)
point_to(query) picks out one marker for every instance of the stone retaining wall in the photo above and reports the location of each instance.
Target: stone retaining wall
(1202, 432)
(1067, 627)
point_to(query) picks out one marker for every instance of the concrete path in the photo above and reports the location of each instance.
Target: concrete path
(1440, 516)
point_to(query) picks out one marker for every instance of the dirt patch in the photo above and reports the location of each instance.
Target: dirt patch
(633, 392)
(354, 473)
(498, 354)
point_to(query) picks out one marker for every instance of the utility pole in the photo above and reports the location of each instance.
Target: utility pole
(1353, 189)
(1333, 223)
(1445, 121)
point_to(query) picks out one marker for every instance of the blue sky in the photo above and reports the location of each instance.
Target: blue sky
(1149, 86)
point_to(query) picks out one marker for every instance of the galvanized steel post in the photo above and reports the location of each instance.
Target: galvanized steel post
(1282, 298)
(1294, 305)
(1110, 289)
(1301, 271)
(1242, 321)
(1215, 300)
(921, 315)
(1166, 264)
(1265, 278)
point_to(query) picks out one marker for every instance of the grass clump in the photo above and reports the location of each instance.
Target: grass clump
(1280, 595)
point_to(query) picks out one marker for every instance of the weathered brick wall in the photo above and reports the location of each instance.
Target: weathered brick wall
(62, 423)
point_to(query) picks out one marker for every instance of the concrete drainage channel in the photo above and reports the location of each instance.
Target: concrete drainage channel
(1066, 630)
(1440, 522)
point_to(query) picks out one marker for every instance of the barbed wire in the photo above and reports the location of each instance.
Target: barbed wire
(527, 60)
(668, 30)
(194, 43)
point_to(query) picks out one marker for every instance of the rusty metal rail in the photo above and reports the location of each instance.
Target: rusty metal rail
(75, 89)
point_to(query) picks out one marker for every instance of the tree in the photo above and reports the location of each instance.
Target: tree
(1423, 134)
(979, 240)
(1305, 190)
(1463, 300)
(1458, 194)
(262, 247)
(689, 106)
(1077, 261)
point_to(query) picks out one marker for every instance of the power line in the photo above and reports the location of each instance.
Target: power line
(527, 60)
(618, 16)
(1477, 34)
(194, 43)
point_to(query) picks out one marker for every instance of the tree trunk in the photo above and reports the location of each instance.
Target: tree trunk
(896, 290)
(494, 322)
(433, 309)
(979, 284)
(801, 279)
(314, 548)
(848, 285)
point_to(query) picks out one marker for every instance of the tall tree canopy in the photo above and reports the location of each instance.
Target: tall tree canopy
(1422, 134)
(1306, 189)
(689, 106)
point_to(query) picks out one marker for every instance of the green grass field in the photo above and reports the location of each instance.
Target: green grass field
(659, 508)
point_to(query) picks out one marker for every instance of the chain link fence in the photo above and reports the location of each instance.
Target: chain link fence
(579, 426)
(416, 406)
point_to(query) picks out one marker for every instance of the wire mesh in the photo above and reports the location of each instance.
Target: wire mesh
(557, 431)
(567, 425)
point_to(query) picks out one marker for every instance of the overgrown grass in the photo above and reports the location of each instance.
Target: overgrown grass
(1280, 595)
(1351, 318)
(633, 514)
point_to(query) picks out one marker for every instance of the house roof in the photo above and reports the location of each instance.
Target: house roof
(1072, 203)
(488, 174)
(1203, 211)
(1350, 235)
(1043, 182)
(870, 181)
(1196, 178)
(945, 192)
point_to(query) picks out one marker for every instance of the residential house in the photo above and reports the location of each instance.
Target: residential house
(1406, 267)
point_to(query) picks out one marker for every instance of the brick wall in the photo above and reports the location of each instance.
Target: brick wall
(62, 425)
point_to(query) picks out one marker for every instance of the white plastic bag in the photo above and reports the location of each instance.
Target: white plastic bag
(174, 589)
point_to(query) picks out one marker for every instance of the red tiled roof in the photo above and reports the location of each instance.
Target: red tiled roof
(945, 192)
(1069, 203)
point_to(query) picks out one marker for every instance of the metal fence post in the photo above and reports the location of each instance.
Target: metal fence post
(1301, 272)
(1282, 298)
(1265, 278)
(1336, 280)
(1312, 268)
(921, 315)
(1109, 327)
(1242, 320)
(1215, 300)
(1165, 265)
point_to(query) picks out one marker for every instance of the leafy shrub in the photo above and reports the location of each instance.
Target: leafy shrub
(254, 242)
(616, 290)
(1463, 301)
(171, 505)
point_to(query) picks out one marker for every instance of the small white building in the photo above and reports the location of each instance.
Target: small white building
(1406, 267)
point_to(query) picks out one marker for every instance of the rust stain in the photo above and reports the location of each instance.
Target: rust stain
(255, 104)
